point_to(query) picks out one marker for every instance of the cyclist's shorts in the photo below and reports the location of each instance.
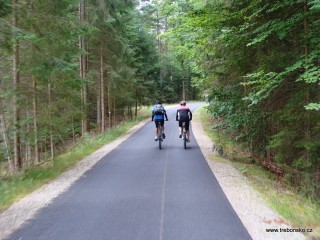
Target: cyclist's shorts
(187, 124)
(158, 121)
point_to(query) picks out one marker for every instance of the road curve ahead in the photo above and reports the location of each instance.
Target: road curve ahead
(138, 192)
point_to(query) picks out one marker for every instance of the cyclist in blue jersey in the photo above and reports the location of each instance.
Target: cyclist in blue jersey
(158, 115)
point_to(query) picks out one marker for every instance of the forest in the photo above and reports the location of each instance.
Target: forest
(70, 68)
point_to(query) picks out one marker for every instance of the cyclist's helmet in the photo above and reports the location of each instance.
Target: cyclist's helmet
(183, 103)
(158, 102)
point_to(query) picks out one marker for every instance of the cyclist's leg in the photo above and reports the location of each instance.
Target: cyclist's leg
(162, 125)
(156, 129)
(180, 128)
(187, 128)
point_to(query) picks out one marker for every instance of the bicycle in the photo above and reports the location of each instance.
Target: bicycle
(184, 135)
(160, 136)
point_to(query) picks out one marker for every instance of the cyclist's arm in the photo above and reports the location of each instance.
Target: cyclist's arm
(190, 118)
(152, 115)
(165, 114)
(177, 115)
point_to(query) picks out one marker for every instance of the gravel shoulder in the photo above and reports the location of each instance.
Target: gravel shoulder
(252, 210)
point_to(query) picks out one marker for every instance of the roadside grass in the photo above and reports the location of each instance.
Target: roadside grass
(300, 211)
(15, 188)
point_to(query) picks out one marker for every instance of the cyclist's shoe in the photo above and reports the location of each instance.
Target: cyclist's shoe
(163, 136)
(156, 138)
(188, 140)
(180, 135)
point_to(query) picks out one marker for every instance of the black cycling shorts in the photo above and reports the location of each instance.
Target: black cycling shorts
(156, 121)
(187, 124)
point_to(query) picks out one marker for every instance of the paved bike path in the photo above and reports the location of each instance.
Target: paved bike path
(140, 192)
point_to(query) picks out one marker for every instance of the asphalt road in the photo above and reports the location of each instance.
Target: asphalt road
(138, 192)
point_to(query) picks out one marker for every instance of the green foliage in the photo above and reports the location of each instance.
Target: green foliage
(5, 8)
(282, 143)
(232, 116)
(280, 196)
(313, 106)
(176, 67)
(259, 62)
(50, 89)
(314, 5)
(262, 84)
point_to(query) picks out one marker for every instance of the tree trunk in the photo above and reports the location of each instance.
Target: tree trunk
(83, 70)
(183, 83)
(5, 137)
(109, 104)
(306, 43)
(190, 92)
(114, 111)
(136, 106)
(73, 131)
(28, 155)
(306, 29)
(159, 49)
(102, 93)
(50, 122)
(35, 122)
(85, 120)
(307, 89)
(16, 83)
(98, 93)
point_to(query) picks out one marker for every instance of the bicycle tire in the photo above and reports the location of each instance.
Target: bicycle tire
(184, 139)
(160, 142)
(160, 137)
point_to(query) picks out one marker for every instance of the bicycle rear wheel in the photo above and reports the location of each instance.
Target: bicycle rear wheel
(184, 139)
(160, 137)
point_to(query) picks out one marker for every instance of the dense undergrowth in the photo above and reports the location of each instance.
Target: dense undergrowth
(287, 199)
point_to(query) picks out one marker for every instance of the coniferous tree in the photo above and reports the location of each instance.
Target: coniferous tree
(258, 61)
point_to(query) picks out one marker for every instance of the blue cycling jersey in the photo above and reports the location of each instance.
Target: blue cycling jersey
(158, 115)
